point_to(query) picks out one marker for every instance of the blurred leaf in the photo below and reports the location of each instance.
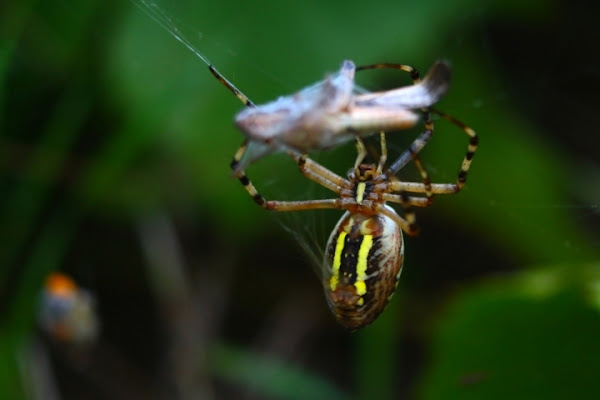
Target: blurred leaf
(375, 359)
(511, 337)
(22, 206)
(271, 378)
(516, 187)
(17, 324)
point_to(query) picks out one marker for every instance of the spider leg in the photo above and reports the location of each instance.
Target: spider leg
(424, 178)
(243, 178)
(420, 187)
(243, 98)
(406, 200)
(472, 147)
(398, 186)
(318, 173)
(275, 205)
(383, 155)
(418, 144)
(407, 224)
(415, 147)
(240, 173)
(361, 151)
(414, 74)
(309, 168)
(380, 154)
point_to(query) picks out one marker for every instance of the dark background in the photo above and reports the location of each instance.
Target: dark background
(114, 168)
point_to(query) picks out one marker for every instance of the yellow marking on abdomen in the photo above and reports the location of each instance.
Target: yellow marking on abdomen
(337, 260)
(361, 265)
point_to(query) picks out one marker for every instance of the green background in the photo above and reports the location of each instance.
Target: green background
(114, 167)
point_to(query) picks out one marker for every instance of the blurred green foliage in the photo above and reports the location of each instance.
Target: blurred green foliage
(108, 123)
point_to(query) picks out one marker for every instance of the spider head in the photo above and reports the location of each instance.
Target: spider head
(363, 172)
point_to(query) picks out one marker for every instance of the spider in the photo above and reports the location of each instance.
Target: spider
(365, 251)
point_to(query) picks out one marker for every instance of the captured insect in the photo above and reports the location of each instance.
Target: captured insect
(365, 251)
(329, 112)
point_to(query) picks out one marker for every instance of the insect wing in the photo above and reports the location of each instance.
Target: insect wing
(423, 94)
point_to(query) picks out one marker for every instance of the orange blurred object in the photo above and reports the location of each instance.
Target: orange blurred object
(67, 312)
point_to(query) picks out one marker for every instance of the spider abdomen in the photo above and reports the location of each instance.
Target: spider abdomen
(363, 261)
